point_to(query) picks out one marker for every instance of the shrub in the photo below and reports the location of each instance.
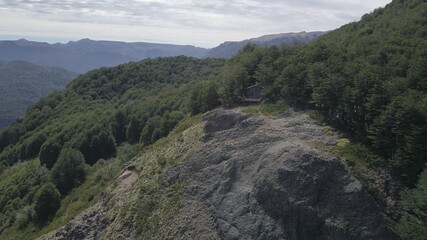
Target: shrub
(49, 152)
(69, 170)
(46, 202)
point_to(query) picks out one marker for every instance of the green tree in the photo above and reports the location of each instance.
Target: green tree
(417, 73)
(236, 81)
(149, 128)
(49, 152)
(265, 77)
(413, 223)
(118, 126)
(399, 133)
(31, 147)
(100, 144)
(69, 171)
(132, 131)
(194, 104)
(46, 202)
(208, 97)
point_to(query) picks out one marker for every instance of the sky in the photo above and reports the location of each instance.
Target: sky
(202, 23)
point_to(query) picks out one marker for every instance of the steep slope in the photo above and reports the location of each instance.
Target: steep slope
(241, 177)
(23, 83)
(229, 49)
(84, 55)
(366, 78)
(97, 115)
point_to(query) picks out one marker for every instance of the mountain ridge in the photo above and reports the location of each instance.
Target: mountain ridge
(231, 48)
(86, 54)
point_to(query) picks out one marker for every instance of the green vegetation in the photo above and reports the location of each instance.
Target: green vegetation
(265, 108)
(46, 202)
(22, 84)
(18, 187)
(69, 170)
(154, 204)
(366, 79)
(70, 131)
(20, 213)
(413, 223)
(106, 107)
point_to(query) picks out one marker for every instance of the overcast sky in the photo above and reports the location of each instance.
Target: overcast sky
(204, 23)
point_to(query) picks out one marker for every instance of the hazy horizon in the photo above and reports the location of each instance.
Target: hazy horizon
(16, 38)
(202, 24)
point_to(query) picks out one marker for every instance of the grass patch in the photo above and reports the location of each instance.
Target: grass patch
(357, 153)
(153, 204)
(316, 116)
(267, 109)
(328, 130)
(343, 142)
(157, 206)
(251, 109)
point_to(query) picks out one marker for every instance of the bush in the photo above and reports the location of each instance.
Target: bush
(69, 171)
(413, 223)
(46, 202)
(49, 153)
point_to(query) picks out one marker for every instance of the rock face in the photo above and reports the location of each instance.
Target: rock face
(254, 178)
(258, 178)
(88, 225)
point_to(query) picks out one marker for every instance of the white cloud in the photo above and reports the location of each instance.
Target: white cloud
(203, 23)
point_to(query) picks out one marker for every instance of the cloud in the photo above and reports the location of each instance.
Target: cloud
(206, 23)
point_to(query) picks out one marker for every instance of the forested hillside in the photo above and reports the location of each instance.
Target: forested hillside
(106, 107)
(368, 79)
(136, 102)
(23, 83)
(86, 54)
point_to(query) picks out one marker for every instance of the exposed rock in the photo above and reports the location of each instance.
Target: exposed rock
(254, 178)
(258, 179)
(88, 225)
(222, 120)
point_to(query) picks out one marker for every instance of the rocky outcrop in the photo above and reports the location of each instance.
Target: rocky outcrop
(252, 178)
(258, 178)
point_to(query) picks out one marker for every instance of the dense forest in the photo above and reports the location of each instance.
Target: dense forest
(367, 78)
(23, 83)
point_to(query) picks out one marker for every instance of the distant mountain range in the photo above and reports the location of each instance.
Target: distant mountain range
(229, 49)
(23, 83)
(30, 70)
(84, 55)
